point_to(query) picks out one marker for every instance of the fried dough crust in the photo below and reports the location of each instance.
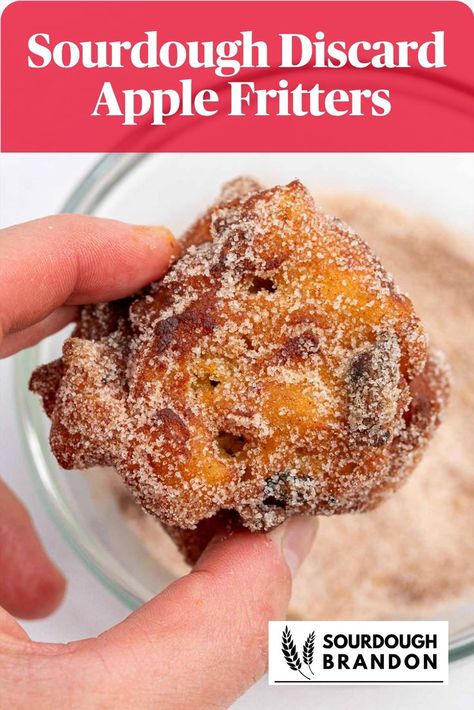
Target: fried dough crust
(275, 370)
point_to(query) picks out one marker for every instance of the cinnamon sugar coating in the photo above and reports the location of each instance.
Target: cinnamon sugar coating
(275, 370)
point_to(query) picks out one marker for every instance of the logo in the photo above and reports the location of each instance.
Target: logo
(291, 654)
(358, 652)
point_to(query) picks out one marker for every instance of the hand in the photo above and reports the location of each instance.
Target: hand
(201, 642)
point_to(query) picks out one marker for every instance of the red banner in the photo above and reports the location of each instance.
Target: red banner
(237, 76)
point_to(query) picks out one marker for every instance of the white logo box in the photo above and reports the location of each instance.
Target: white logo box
(358, 652)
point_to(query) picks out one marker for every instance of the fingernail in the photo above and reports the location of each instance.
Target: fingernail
(155, 236)
(296, 538)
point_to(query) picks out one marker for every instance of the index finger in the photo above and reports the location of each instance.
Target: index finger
(75, 259)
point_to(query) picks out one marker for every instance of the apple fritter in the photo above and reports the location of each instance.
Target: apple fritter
(275, 370)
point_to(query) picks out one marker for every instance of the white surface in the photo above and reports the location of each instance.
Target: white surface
(34, 185)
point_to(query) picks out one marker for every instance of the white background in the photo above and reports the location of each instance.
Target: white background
(32, 186)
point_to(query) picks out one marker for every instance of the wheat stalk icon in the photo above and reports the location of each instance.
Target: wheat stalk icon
(291, 654)
(308, 651)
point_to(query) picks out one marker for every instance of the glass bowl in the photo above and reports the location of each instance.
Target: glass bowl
(171, 189)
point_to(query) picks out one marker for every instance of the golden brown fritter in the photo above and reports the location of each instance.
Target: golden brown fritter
(275, 370)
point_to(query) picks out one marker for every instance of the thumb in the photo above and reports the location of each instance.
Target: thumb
(203, 641)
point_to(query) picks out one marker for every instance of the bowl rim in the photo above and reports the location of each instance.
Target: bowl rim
(84, 198)
(96, 183)
(86, 546)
